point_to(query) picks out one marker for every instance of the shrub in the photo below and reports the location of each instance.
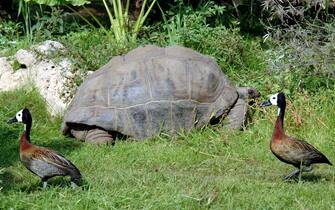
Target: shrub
(9, 33)
(304, 56)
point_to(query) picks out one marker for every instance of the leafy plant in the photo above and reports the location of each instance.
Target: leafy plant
(121, 25)
(25, 11)
(184, 21)
(49, 24)
(287, 12)
(60, 2)
(9, 33)
(304, 56)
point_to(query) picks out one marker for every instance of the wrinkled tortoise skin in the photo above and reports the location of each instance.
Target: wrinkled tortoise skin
(150, 90)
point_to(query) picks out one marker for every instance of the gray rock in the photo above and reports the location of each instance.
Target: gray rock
(54, 80)
(25, 57)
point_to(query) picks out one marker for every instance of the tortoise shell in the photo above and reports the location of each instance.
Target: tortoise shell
(150, 90)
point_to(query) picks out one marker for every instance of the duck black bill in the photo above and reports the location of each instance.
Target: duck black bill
(266, 103)
(12, 120)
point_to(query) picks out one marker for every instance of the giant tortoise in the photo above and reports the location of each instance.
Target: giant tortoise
(150, 90)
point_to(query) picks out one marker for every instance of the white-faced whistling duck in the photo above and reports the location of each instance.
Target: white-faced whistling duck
(290, 150)
(42, 161)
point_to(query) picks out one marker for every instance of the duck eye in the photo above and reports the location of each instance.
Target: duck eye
(274, 98)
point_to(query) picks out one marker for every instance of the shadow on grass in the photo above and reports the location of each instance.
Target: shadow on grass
(7, 178)
(55, 182)
(307, 178)
(9, 147)
(313, 178)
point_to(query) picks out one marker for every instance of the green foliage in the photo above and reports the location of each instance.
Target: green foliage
(294, 12)
(16, 65)
(60, 2)
(184, 21)
(25, 97)
(36, 20)
(123, 29)
(9, 33)
(303, 57)
(25, 11)
(50, 24)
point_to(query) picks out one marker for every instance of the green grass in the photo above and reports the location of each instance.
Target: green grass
(211, 168)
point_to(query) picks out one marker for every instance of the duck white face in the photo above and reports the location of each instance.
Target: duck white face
(274, 99)
(278, 100)
(22, 116)
(19, 115)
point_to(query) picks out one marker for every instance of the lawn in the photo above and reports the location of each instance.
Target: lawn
(212, 168)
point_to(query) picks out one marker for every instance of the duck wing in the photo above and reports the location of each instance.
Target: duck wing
(306, 153)
(48, 163)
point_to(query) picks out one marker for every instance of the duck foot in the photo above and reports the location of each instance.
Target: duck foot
(44, 185)
(293, 175)
(73, 185)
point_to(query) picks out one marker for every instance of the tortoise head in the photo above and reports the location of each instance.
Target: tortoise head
(248, 93)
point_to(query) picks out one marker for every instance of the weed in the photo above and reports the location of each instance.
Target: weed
(16, 65)
(9, 34)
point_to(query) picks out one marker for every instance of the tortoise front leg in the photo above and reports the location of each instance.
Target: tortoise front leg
(237, 115)
(94, 136)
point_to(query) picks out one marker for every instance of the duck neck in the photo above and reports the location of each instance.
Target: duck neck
(279, 125)
(25, 137)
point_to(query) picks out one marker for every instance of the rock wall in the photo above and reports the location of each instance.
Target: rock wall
(44, 66)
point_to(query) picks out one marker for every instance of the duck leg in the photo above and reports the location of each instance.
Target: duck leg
(44, 184)
(74, 182)
(293, 175)
(73, 185)
(308, 168)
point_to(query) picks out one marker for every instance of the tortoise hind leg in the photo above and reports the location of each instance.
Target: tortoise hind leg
(94, 136)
